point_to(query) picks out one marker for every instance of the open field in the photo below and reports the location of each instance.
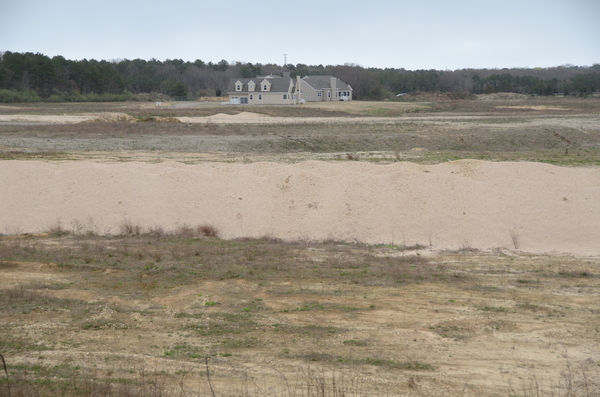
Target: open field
(323, 250)
(558, 131)
(146, 311)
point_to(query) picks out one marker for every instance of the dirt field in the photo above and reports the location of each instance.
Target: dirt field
(352, 249)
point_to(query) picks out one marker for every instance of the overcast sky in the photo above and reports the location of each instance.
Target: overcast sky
(425, 34)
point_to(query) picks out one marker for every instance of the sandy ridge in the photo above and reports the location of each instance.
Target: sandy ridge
(536, 207)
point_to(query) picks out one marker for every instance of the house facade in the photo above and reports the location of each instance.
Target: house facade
(261, 91)
(276, 90)
(323, 88)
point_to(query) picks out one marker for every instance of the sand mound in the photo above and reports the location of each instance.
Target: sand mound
(166, 120)
(249, 115)
(535, 207)
(536, 107)
(125, 118)
(241, 115)
(44, 118)
(239, 118)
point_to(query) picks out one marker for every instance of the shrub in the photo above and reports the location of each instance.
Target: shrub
(208, 231)
(129, 229)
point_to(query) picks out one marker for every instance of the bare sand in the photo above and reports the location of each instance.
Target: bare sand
(51, 119)
(531, 207)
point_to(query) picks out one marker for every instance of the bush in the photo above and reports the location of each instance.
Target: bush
(11, 96)
(14, 96)
(208, 231)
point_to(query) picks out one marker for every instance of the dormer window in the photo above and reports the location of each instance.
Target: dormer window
(251, 86)
(266, 85)
(238, 85)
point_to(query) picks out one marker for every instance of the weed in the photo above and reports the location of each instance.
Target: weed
(354, 342)
(129, 229)
(57, 230)
(575, 274)
(494, 309)
(514, 236)
(310, 306)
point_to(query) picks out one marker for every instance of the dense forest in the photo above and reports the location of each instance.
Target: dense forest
(29, 77)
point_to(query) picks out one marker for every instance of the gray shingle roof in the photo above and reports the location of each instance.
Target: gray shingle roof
(278, 84)
(281, 84)
(321, 82)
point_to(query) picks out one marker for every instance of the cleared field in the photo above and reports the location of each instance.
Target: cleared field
(174, 284)
(564, 132)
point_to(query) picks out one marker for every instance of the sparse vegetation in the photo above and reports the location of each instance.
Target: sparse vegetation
(484, 130)
(227, 306)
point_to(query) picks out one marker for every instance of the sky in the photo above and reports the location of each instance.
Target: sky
(418, 34)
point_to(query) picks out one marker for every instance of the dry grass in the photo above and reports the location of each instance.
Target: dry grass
(139, 314)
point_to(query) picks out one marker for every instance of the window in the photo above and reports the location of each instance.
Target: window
(251, 97)
(259, 97)
(306, 94)
(238, 87)
(329, 94)
(285, 96)
(265, 87)
(320, 94)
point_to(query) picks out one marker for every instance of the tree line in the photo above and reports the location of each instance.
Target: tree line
(29, 77)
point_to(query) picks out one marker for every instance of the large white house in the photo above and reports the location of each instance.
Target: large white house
(276, 90)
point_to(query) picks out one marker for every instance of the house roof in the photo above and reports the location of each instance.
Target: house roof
(322, 82)
(282, 84)
(278, 84)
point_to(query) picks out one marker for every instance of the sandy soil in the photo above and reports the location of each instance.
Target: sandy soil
(251, 118)
(55, 119)
(219, 118)
(529, 206)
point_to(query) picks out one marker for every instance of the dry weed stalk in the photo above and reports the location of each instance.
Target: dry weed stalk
(514, 236)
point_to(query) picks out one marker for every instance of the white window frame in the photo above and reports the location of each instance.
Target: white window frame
(260, 97)
(285, 96)
(251, 97)
(238, 87)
